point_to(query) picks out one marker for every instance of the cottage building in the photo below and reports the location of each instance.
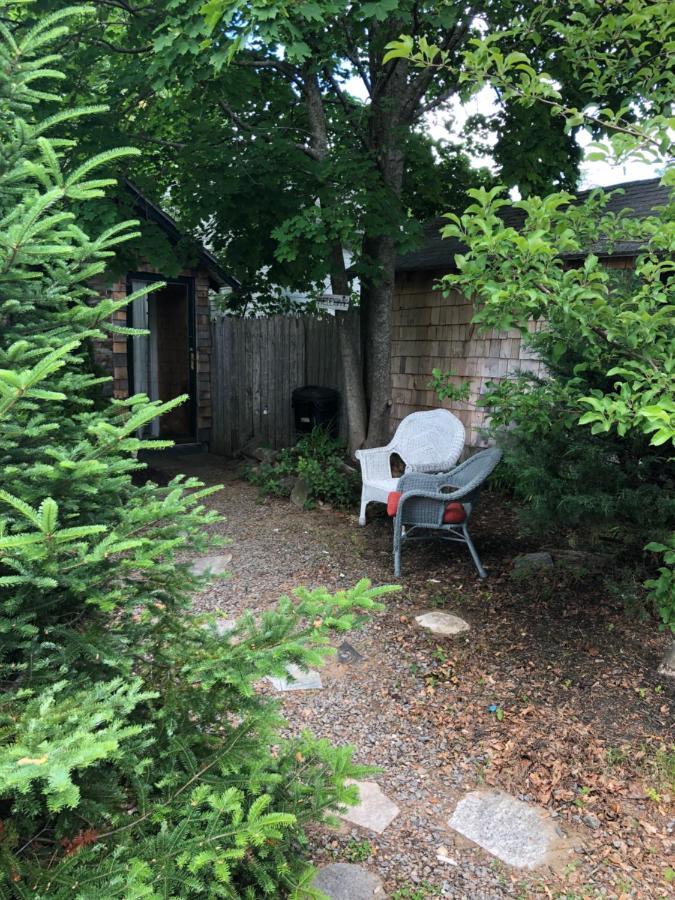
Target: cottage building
(431, 330)
(175, 357)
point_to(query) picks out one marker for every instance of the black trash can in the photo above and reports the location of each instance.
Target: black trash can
(316, 406)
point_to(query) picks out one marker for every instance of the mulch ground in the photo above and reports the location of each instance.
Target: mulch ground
(552, 696)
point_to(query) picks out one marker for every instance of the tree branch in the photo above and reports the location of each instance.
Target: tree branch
(419, 86)
(259, 133)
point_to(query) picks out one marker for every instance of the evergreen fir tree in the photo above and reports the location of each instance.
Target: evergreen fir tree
(135, 755)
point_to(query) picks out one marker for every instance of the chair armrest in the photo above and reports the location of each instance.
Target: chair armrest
(433, 468)
(375, 462)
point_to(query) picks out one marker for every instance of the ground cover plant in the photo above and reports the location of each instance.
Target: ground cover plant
(137, 758)
(317, 459)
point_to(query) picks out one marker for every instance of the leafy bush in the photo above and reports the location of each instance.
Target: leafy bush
(320, 461)
(608, 487)
(135, 754)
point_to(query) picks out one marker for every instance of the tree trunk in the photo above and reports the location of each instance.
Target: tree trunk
(387, 139)
(377, 298)
(354, 399)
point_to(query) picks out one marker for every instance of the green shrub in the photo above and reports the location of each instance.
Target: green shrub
(603, 485)
(319, 460)
(136, 755)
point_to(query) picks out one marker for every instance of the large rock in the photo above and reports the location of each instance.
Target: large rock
(215, 565)
(580, 562)
(344, 881)
(374, 811)
(531, 564)
(444, 624)
(518, 833)
(300, 493)
(667, 666)
(300, 680)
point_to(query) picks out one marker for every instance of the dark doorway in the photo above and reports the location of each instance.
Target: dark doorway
(162, 362)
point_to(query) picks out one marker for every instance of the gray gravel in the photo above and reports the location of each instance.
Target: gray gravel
(369, 703)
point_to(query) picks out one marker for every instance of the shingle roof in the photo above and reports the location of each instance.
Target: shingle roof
(439, 253)
(149, 210)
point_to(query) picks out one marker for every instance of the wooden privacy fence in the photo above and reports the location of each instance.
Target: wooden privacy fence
(256, 364)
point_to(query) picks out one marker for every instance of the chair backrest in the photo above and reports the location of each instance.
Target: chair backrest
(427, 437)
(476, 468)
(470, 476)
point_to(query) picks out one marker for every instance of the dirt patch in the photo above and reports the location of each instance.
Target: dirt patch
(552, 696)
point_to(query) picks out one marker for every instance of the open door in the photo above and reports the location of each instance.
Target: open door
(163, 362)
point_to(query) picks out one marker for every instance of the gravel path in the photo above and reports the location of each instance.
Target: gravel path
(558, 660)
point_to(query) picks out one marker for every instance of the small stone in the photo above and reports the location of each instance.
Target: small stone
(442, 623)
(667, 667)
(224, 625)
(264, 454)
(374, 811)
(516, 832)
(348, 655)
(442, 856)
(215, 565)
(528, 563)
(591, 821)
(344, 881)
(300, 493)
(300, 680)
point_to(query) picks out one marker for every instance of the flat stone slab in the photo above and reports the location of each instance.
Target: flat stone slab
(518, 833)
(300, 680)
(216, 565)
(445, 624)
(375, 810)
(344, 881)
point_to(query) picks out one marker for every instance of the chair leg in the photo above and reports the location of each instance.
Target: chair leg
(397, 552)
(474, 554)
(362, 513)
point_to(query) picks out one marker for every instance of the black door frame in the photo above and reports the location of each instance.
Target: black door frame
(189, 282)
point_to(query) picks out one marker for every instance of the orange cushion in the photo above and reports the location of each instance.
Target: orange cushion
(392, 503)
(453, 515)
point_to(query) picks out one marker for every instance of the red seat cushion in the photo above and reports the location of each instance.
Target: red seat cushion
(392, 503)
(454, 511)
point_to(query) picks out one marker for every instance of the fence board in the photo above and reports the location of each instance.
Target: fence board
(256, 365)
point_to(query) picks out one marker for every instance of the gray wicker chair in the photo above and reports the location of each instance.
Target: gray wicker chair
(423, 502)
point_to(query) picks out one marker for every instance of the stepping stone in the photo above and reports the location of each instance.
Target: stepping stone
(375, 810)
(347, 654)
(302, 680)
(344, 881)
(442, 623)
(518, 833)
(216, 565)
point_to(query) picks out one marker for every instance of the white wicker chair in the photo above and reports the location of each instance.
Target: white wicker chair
(426, 442)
